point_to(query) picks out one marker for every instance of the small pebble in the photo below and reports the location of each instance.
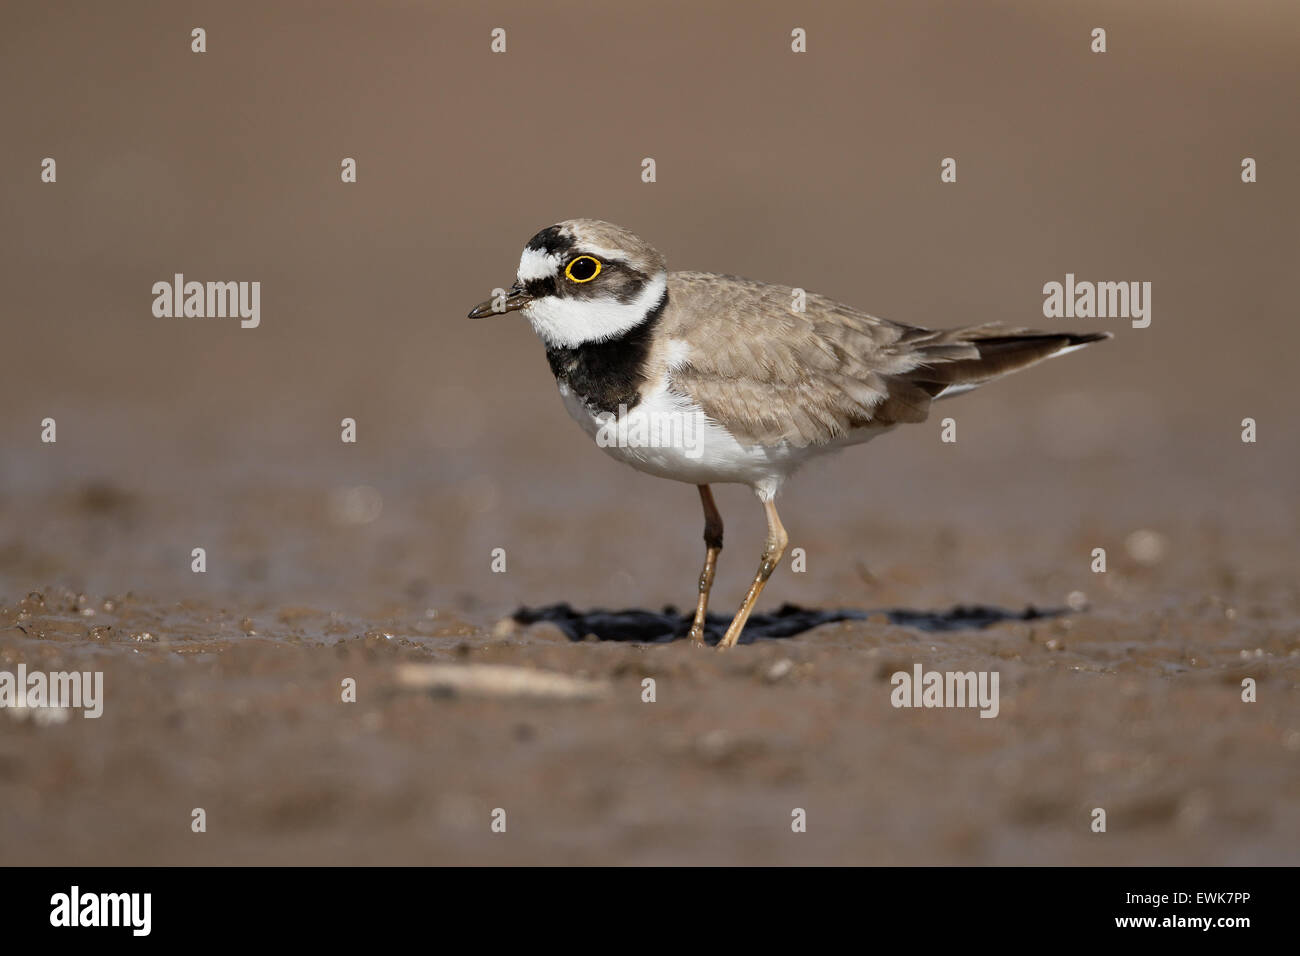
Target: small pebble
(1146, 546)
(779, 670)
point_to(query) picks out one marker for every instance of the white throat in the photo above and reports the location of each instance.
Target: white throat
(569, 323)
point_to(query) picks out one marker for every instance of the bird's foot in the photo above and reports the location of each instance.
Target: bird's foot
(731, 637)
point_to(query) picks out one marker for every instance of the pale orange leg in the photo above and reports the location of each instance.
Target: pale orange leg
(777, 539)
(712, 545)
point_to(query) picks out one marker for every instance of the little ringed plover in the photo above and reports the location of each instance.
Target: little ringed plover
(707, 378)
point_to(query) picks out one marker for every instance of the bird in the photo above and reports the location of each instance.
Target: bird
(709, 379)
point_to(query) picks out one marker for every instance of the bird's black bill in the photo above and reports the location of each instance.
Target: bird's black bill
(512, 301)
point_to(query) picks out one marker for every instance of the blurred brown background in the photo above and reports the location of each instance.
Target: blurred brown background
(819, 170)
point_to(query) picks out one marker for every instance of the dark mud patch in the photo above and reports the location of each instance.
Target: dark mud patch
(649, 627)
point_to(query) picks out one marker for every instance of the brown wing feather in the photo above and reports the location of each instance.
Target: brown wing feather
(769, 374)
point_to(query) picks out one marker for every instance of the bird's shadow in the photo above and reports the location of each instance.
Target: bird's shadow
(649, 627)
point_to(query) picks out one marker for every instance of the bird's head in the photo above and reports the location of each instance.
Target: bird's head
(583, 281)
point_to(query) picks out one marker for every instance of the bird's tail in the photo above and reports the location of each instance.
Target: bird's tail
(959, 360)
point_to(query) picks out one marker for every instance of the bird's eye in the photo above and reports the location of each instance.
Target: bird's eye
(583, 269)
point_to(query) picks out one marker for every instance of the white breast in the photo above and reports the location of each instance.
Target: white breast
(668, 435)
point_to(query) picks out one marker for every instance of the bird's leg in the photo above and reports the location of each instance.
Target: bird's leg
(777, 539)
(712, 545)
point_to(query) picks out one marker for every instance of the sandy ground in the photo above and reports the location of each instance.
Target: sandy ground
(234, 704)
(327, 562)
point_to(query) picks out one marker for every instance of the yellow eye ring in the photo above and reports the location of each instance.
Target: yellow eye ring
(568, 270)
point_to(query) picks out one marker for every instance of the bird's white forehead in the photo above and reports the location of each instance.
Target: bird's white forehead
(538, 264)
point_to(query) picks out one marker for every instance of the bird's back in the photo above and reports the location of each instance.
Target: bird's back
(772, 374)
